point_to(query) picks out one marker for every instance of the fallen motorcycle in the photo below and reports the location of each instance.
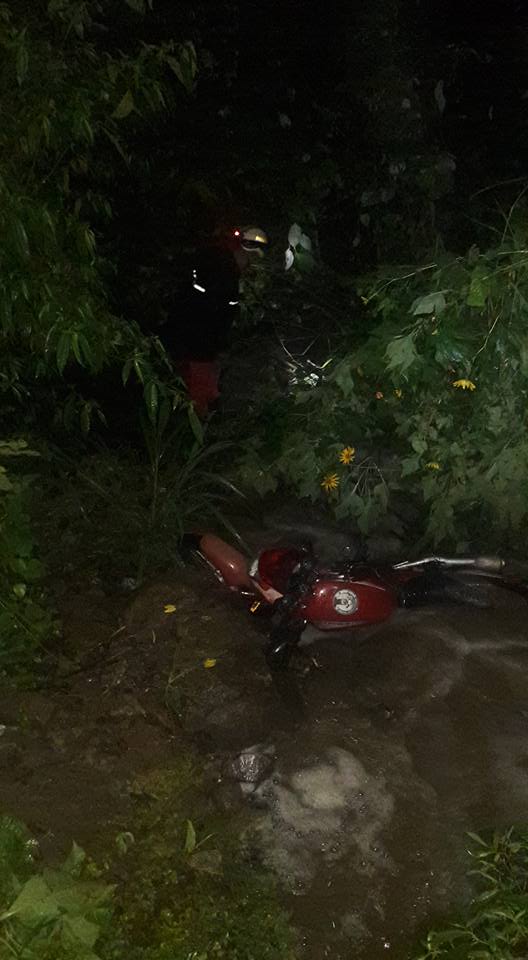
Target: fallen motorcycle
(299, 591)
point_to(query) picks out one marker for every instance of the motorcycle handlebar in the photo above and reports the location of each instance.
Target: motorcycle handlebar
(491, 564)
(488, 564)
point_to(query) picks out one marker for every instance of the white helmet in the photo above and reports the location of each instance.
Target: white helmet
(251, 238)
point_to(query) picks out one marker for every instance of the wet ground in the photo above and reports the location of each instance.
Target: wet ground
(374, 755)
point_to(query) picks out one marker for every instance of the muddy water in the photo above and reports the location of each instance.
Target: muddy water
(387, 748)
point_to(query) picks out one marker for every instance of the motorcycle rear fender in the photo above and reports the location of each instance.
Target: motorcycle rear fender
(229, 564)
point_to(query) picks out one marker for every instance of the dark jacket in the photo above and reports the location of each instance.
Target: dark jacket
(204, 307)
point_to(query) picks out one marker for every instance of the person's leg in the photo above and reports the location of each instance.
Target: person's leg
(201, 380)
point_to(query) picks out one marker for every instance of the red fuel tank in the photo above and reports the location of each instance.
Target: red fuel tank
(336, 603)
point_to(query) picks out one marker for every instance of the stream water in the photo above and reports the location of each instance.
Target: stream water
(386, 749)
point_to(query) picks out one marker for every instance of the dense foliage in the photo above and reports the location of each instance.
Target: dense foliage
(67, 103)
(69, 107)
(427, 405)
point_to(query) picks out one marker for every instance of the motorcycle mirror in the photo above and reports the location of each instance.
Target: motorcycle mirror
(307, 547)
(356, 552)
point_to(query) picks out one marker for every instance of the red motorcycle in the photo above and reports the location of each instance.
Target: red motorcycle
(299, 591)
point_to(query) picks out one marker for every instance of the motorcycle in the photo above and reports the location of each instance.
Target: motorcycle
(299, 591)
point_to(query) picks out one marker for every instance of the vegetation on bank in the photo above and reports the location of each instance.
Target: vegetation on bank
(179, 889)
(495, 926)
(168, 888)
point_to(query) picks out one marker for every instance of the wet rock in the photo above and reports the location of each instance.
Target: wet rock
(251, 765)
(129, 584)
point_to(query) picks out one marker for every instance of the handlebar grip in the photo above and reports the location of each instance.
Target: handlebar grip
(491, 564)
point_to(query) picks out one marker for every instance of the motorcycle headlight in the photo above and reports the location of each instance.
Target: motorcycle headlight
(345, 602)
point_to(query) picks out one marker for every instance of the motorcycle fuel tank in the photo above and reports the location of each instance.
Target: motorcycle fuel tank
(338, 603)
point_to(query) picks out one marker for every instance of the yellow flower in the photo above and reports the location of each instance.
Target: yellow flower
(432, 465)
(210, 662)
(330, 482)
(169, 608)
(398, 393)
(347, 455)
(464, 384)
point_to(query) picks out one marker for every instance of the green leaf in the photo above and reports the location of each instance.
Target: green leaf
(124, 841)
(419, 444)
(190, 838)
(477, 839)
(185, 67)
(125, 106)
(137, 363)
(63, 350)
(86, 417)
(401, 353)
(478, 289)
(125, 373)
(21, 238)
(79, 931)
(304, 260)
(22, 61)
(151, 400)
(343, 378)
(86, 349)
(75, 860)
(34, 905)
(431, 303)
(76, 348)
(195, 423)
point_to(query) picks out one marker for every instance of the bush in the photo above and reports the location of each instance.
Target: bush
(496, 924)
(430, 406)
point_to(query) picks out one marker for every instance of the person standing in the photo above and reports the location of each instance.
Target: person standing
(205, 309)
